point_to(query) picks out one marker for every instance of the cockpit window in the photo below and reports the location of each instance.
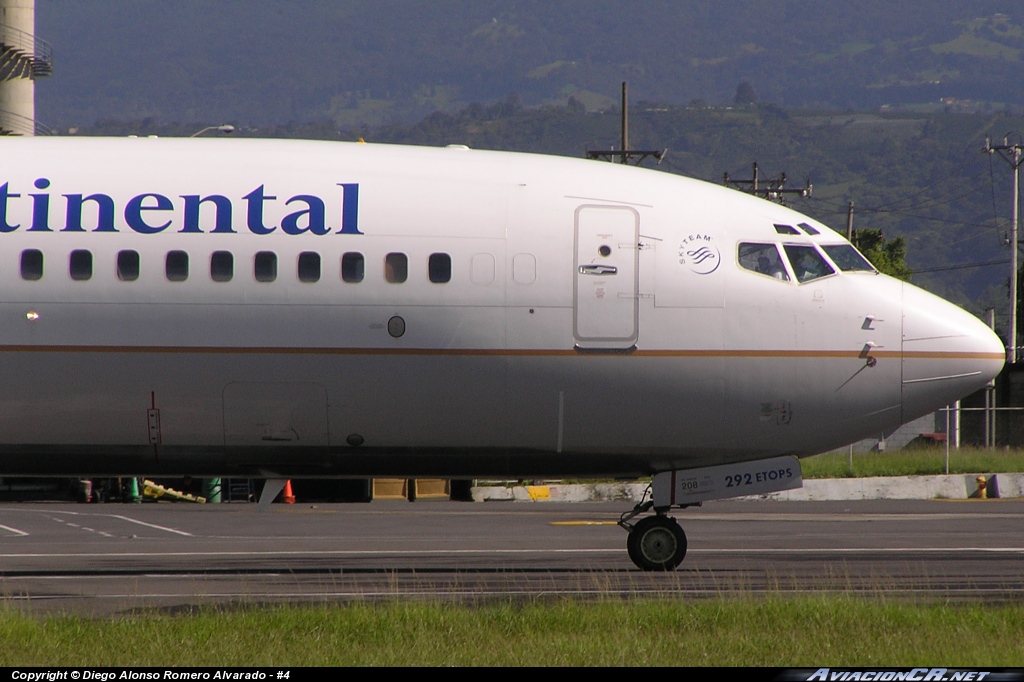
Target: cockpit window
(847, 258)
(785, 229)
(764, 259)
(809, 229)
(807, 263)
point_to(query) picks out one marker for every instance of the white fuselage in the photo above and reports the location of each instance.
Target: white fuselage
(556, 316)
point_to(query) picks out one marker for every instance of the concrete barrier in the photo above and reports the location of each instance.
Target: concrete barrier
(1007, 485)
(584, 492)
(950, 487)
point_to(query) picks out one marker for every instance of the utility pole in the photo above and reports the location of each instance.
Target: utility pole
(625, 121)
(1011, 153)
(624, 154)
(775, 188)
(849, 222)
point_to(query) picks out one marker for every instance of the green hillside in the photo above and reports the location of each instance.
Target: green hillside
(373, 62)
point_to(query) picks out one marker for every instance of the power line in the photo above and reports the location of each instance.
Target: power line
(928, 187)
(962, 266)
(773, 189)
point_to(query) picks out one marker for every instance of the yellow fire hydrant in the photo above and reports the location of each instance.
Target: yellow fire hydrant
(982, 485)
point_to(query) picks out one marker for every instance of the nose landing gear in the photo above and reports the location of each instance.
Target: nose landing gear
(657, 543)
(654, 543)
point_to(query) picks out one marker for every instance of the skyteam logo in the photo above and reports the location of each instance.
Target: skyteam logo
(153, 212)
(698, 251)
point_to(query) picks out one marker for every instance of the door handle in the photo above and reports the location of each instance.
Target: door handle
(598, 270)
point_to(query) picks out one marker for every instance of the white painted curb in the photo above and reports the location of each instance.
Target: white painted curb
(951, 487)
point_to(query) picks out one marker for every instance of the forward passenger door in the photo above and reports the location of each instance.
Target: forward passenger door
(606, 277)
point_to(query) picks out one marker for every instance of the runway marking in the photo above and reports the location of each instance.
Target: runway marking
(82, 527)
(850, 550)
(584, 523)
(334, 552)
(491, 552)
(14, 531)
(154, 526)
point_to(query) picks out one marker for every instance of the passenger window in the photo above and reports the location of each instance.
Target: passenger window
(764, 259)
(807, 263)
(524, 268)
(32, 265)
(847, 258)
(222, 266)
(309, 266)
(265, 266)
(127, 266)
(352, 267)
(80, 265)
(396, 268)
(481, 269)
(439, 268)
(176, 266)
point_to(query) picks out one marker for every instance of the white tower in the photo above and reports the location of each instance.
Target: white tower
(23, 58)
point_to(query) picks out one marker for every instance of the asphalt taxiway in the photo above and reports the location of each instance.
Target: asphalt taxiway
(101, 559)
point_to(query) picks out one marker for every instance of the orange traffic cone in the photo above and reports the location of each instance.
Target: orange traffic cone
(287, 497)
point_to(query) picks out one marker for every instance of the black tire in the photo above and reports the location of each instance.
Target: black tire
(632, 549)
(656, 543)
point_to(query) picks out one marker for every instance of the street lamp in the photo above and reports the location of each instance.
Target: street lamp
(226, 128)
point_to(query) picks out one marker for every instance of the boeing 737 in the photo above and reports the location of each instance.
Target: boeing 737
(277, 309)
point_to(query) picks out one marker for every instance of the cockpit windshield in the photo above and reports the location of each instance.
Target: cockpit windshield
(764, 259)
(807, 263)
(847, 258)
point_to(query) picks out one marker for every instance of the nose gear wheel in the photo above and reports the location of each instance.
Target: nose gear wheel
(656, 543)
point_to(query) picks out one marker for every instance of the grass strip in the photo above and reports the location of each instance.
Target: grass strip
(806, 631)
(917, 461)
(913, 462)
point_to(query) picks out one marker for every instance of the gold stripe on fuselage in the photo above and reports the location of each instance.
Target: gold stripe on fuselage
(272, 350)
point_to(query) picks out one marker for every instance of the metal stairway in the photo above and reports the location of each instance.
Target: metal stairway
(22, 55)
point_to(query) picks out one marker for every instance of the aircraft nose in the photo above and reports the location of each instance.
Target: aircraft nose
(948, 353)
